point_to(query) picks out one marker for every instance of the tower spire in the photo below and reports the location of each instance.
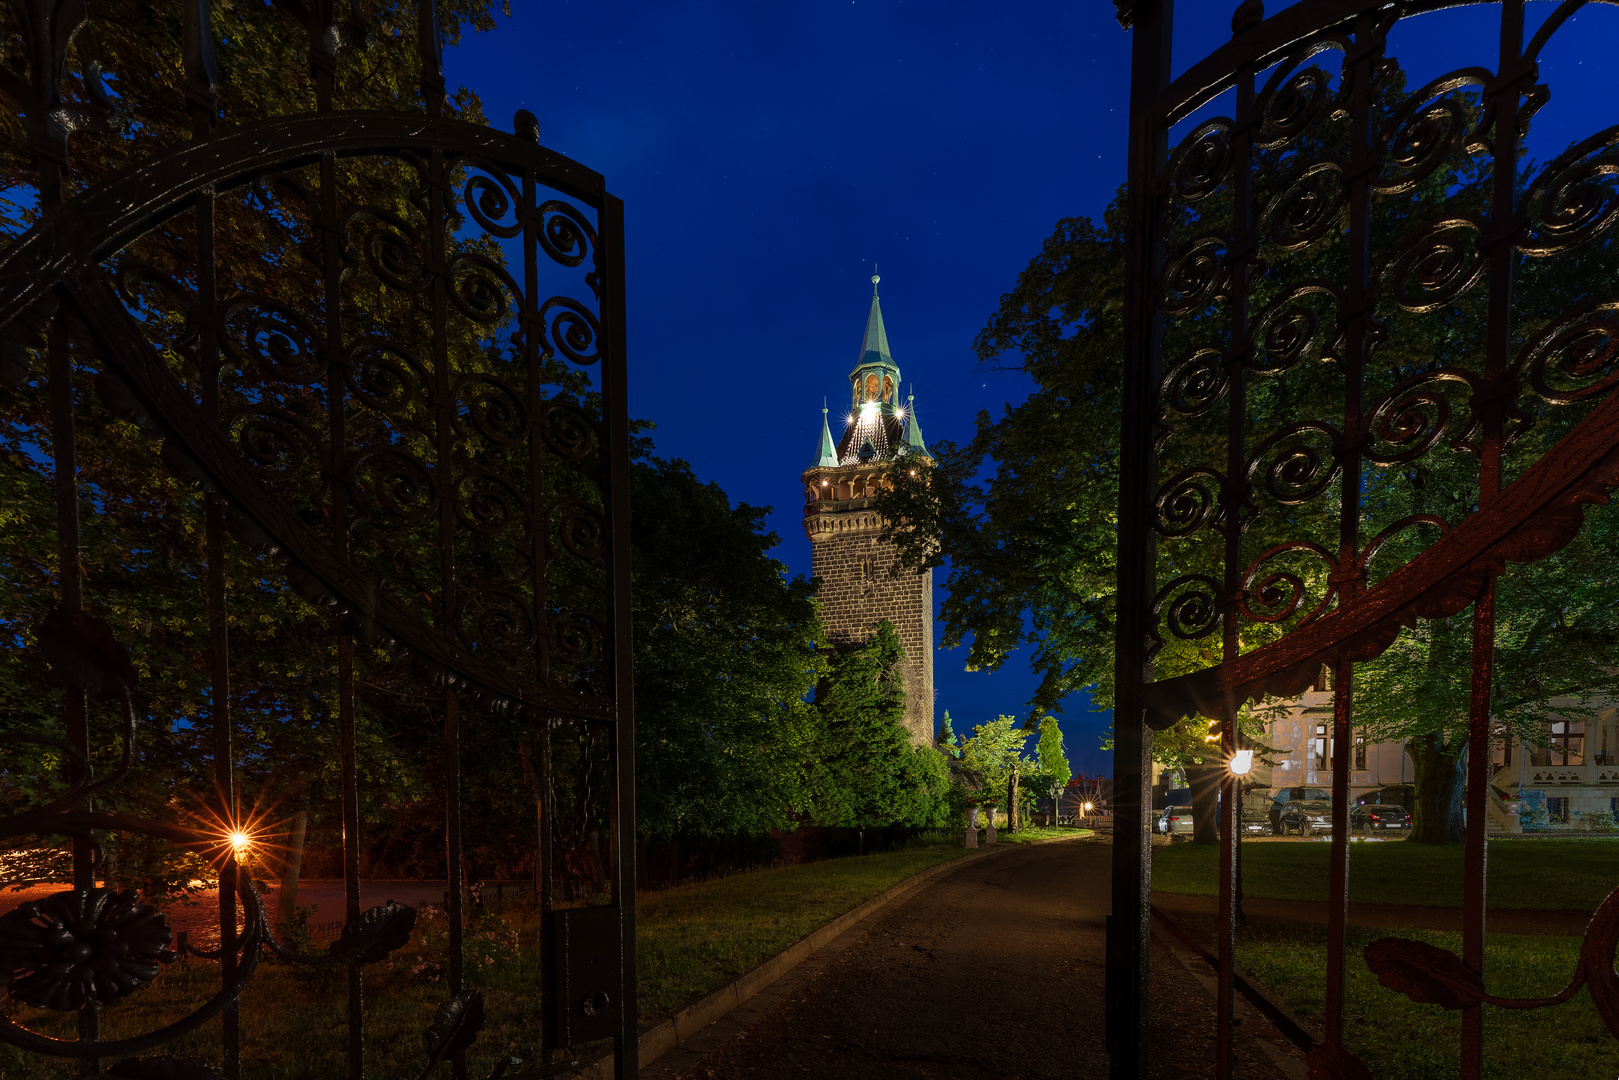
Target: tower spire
(874, 346)
(826, 454)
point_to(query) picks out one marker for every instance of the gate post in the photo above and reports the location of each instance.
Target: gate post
(1150, 22)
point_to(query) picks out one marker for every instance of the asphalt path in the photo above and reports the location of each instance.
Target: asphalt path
(993, 971)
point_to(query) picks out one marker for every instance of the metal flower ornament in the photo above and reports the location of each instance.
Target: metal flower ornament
(82, 946)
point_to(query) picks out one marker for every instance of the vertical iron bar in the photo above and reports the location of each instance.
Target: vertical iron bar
(1343, 709)
(452, 841)
(1234, 496)
(1358, 295)
(539, 531)
(202, 103)
(218, 634)
(533, 347)
(1131, 886)
(337, 471)
(1474, 851)
(548, 1034)
(50, 157)
(615, 403)
(75, 711)
(351, 845)
(430, 49)
(1498, 332)
(444, 469)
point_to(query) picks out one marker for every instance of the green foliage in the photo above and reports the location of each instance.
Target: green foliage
(994, 750)
(948, 739)
(1053, 762)
(865, 772)
(725, 655)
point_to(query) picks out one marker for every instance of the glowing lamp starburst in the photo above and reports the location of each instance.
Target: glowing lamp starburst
(1241, 762)
(868, 411)
(240, 841)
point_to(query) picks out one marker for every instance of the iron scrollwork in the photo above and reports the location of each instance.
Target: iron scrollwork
(391, 375)
(1294, 372)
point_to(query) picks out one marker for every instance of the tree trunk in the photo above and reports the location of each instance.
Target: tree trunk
(1441, 779)
(287, 900)
(1011, 804)
(1204, 780)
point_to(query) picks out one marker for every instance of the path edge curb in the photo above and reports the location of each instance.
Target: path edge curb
(681, 1024)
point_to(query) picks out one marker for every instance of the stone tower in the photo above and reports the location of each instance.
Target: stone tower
(853, 564)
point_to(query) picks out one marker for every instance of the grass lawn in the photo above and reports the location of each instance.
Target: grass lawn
(1027, 835)
(689, 940)
(1400, 1039)
(1571, 875)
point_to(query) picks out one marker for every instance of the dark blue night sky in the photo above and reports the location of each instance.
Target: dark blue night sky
(769, 154)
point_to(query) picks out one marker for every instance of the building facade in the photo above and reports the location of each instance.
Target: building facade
(859, 588)
(1565, 781)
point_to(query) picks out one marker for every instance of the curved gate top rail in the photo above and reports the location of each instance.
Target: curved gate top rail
(388, 345)
(1266, 41)
(1368, 363)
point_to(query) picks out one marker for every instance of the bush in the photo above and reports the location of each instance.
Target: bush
(489, 945)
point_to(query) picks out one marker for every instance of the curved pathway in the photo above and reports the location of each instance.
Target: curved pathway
(994, 971)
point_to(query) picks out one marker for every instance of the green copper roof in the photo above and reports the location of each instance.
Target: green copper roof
(913, 428)
(874, 349)
(827, 453)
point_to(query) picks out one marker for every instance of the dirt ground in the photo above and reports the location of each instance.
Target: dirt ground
(995, 971)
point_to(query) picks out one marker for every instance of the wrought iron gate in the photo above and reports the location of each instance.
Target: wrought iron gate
(1277, 423)
(422, 421)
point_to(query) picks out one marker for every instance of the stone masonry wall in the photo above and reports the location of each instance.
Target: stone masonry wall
(857, 593)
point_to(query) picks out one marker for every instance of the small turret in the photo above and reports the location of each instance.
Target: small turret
(826, 454)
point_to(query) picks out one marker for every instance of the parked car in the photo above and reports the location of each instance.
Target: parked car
(1402, 795)
(1283, 796)
(1378, 817)
(1176, 821)
(1254, 822)
(1305, 817)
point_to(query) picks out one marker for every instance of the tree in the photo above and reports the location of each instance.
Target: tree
(865, 772)
(995, 753)
(1054, 768)
(725, 655)
(948, 739)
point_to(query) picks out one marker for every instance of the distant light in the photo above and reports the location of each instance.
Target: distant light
(868, 410)
(240, 841)
(826, 483)
(913, 472)
(1241, 762)
(1089, 807)
(899, 413)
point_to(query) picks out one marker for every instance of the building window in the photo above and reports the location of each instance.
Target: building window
(1501, 751)
(1568, 742)
(1557, 809)
(1360, 752)
(1318, 747)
